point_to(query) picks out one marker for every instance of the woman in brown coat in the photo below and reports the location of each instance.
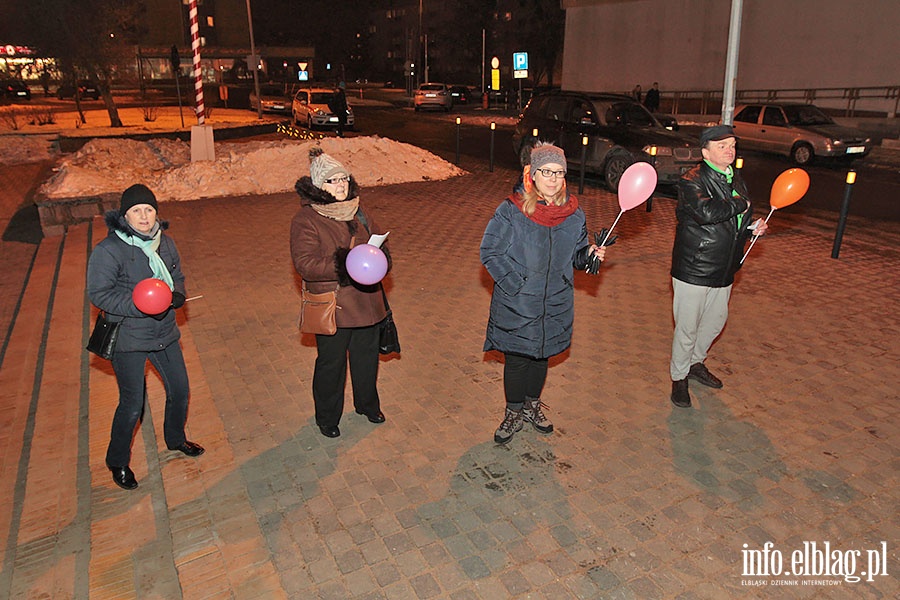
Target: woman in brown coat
(329, 223)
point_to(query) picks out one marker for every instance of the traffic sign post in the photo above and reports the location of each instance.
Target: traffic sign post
(520, 72)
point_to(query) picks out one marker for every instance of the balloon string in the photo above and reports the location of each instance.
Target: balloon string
(611, 228)
(756, 237)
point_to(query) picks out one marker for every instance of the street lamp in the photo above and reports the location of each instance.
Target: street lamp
(255, 61)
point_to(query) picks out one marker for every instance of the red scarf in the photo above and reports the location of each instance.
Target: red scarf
(548, 215)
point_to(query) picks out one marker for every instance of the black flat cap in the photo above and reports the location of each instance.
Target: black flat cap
(716, 133)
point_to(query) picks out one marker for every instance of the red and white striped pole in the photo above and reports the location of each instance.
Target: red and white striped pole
(198, 75)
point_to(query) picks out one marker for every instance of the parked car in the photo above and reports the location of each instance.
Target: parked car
(433, 95)
(667, 121)
(800, 131)
(620, 131)
(86, 89)
(310, 108)
(460, 94)
(14, 89)
(275, 99)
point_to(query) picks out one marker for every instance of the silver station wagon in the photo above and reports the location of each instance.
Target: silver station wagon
(801, 131)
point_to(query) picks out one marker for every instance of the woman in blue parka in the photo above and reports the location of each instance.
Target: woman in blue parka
(531, 246)
(136, 249)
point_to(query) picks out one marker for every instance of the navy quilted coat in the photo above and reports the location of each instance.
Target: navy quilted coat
(532, 306)
(114, 268)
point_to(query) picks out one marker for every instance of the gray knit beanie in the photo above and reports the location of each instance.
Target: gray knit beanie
(322, 167)
(545, 153)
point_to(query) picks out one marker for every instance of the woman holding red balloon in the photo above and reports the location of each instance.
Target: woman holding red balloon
(134, 276)
(531, 247)
(329, 224)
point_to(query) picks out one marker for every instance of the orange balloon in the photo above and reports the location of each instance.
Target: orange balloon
(789, 187)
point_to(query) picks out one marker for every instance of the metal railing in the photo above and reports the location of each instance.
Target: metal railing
(881, 101)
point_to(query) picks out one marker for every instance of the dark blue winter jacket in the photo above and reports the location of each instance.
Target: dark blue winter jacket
(532, 305)
(114, 268)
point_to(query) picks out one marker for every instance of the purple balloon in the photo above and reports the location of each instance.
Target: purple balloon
(367, 264)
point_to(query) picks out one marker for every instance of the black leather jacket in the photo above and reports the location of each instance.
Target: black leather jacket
(708, 242)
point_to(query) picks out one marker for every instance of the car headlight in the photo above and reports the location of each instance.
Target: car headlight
(660, 150)
(320, 112)
(835, 142)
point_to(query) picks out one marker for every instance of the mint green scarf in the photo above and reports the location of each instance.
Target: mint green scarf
(150, 247)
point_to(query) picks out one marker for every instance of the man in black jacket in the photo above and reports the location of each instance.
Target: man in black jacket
(338, 106)
(714, 216)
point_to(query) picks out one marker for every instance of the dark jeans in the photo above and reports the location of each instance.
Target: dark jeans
(330, 374)
(523, 376)
(129, 370)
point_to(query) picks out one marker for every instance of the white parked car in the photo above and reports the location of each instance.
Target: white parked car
(433, 95)
(274, 99)
(310, 109)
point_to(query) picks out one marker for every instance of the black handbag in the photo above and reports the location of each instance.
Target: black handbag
(103, 338)
(389, 341)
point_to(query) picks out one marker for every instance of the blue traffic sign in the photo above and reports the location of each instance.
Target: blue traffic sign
(520, 61)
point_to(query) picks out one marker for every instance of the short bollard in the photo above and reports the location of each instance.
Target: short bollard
(653, 151)
(584, 143)
(845, 210)
(493, 128)
(457, 140)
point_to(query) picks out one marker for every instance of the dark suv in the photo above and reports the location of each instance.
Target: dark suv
(14, 89)
(620, 132)
(86, 89)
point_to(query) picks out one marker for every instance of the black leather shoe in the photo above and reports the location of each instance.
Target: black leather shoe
(681, 397)
(123, 477)
(190, 449)
(331, 431)
(701, 374)
(375, 417)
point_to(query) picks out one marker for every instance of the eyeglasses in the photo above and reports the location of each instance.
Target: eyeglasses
(337, 180)
(548, 173)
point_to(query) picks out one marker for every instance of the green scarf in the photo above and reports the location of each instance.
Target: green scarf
(150, 247)
(729, 175)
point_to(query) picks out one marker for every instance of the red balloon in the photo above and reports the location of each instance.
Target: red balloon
(152, 296)
(788, 188)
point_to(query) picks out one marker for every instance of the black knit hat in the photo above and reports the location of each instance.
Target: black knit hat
(137, 194)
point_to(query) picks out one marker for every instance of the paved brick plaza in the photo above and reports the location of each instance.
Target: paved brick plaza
(628, 499)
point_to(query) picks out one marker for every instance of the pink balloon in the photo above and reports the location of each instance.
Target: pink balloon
(636, 185)
(367, 264)
(152, 296)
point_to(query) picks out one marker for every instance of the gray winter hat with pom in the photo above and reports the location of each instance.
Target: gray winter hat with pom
(322, 167)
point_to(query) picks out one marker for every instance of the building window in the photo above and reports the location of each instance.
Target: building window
(209, 21)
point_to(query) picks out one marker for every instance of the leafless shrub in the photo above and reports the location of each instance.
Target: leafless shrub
(11, 119)
(150, 112)
(42, 116)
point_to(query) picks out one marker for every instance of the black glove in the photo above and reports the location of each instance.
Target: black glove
(178, 299)
(340, 265)
(593, 265)
(598, 238)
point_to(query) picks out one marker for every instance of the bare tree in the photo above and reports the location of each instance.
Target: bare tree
(89, 38)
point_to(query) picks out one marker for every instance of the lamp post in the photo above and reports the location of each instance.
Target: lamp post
(255, 63)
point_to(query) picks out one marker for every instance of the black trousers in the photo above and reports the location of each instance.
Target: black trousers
(330, 375)
(523, 376)
(129, 369)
